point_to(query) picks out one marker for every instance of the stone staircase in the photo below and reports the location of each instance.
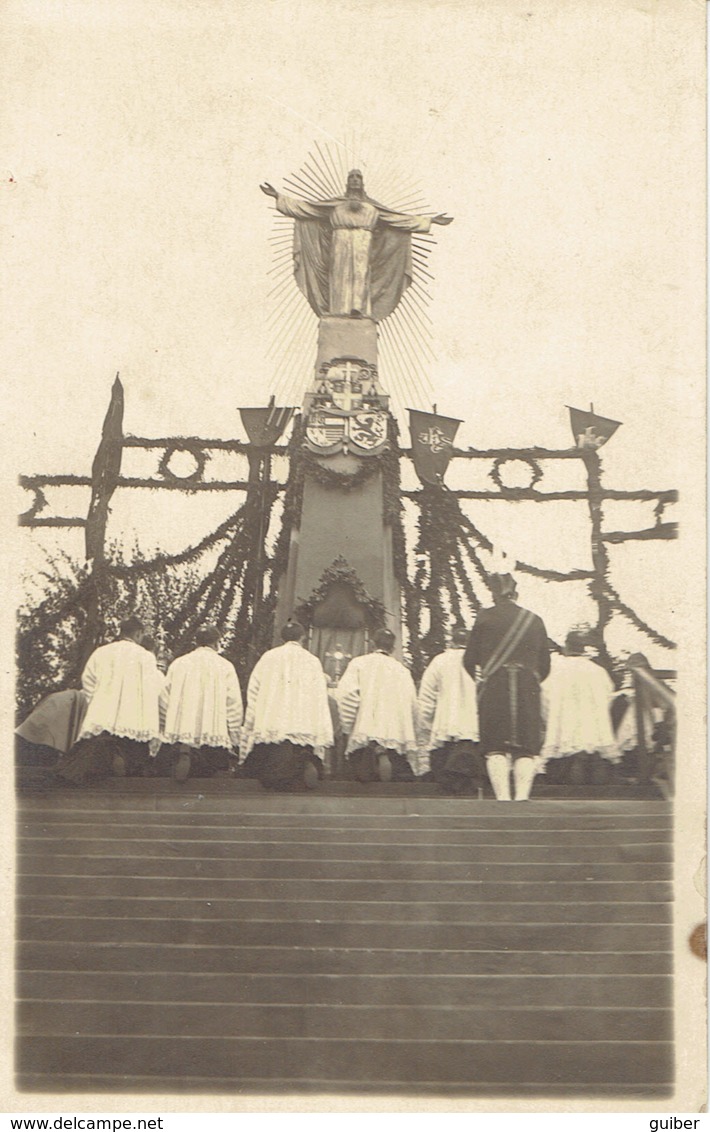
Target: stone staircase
(217, 938)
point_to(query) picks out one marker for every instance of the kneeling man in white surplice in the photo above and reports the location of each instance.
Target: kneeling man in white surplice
(377, 703)
(122, 683)
(287, 726)
(448, 720)
(201, 704)
(579, 741)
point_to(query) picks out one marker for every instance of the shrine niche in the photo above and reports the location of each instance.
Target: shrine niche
(340, 617)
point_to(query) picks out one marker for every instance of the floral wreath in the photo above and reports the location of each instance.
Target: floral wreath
(531, 463)
(195, 450)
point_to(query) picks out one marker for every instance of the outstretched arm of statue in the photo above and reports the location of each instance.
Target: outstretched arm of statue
(407, 222)
(292, 206)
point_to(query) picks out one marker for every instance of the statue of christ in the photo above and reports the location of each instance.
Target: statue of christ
(352, 256)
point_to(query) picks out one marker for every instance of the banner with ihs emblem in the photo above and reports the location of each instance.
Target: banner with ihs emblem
(432, 444)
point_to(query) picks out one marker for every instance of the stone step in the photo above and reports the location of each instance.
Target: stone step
(164, 1083)
(566, 814)
(335, 960)
(364, 942)
(510, 991)
(452, 1023)
(337, 849)
(382, 832)
(197, 830)
(308, 1059)
(344, 889)
(542, 791)
(40, 781)
(66, 865)
(342, 911)
(327, 828)
(205, 887)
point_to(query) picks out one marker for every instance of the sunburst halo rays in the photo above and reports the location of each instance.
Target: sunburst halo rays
(405, 334)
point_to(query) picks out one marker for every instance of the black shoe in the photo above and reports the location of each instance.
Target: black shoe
(384, 767)
(310, 776)
(182, 767)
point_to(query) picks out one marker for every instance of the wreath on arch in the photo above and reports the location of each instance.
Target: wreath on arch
(532, 464)
(196, 451)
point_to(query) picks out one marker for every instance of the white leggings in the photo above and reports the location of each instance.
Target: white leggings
(500, 765)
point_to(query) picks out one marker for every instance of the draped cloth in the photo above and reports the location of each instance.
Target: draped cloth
(122, 682)
(648, 701)
(56, 721)
(377, 701)
(287, 698)
(447, 702)
(577, 699)
(202, 701)
(351, 259)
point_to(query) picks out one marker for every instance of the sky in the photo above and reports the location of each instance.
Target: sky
(565, 139)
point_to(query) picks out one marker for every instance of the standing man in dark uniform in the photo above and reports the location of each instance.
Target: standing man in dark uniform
(508, 656)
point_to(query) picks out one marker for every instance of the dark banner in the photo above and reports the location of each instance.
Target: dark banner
(105, 471)
(265, 426)
(432, 444)
(589, 429)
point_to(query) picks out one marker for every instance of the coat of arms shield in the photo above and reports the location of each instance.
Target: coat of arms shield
(368, 430)
(326, 431)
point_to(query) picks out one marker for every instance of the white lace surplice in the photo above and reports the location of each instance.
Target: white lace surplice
(287, 698)
(122, 683)
(377, 701)
(202, 701)
(577, 699)
(447, 702)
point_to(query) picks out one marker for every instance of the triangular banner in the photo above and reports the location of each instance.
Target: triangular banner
(589, 429)
(265, 426)
(432, 444)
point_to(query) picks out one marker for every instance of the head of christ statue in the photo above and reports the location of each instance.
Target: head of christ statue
(355, 186)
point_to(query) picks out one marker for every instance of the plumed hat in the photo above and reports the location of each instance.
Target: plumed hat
(502, 586)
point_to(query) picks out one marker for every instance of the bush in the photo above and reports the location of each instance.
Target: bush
(55, 636)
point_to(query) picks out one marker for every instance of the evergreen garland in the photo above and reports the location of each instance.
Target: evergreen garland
(333, 480)
(167, 590)
(341, 571)
(501, 460)
(196, 450)
(191, 554)
(465, 581)
(434, 541)
(393, 508)
(446, 536)
(625, 610)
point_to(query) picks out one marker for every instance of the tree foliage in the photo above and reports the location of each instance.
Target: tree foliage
(51, 632)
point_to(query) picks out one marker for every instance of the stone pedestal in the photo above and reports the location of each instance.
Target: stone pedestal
(345, 422)
(340, 337)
